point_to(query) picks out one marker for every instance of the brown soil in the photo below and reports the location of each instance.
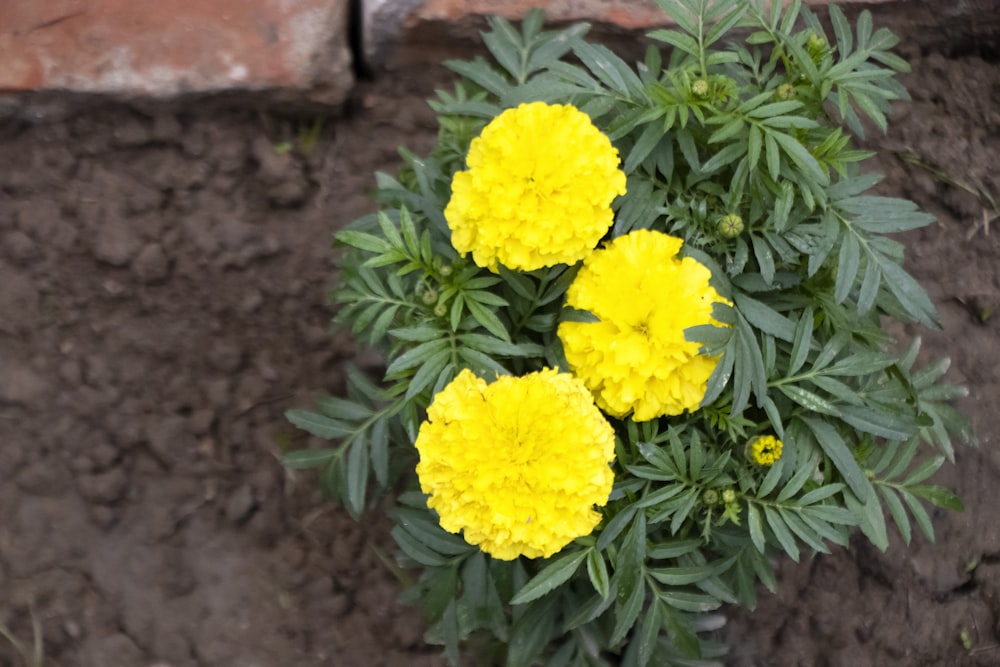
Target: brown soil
(163, 279)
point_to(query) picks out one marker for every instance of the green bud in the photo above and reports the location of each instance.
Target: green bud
(729, 496)
(815, 46)
(440, 310)
(430, 296)
(710, 497)
(445, 270)
(700, 88)
(785, 91)
(730, 226)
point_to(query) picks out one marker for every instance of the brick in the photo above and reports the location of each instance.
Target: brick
(631, 14)
(415, 28)
(162, 48)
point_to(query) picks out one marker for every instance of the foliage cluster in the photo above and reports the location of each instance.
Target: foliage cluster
(736, 134)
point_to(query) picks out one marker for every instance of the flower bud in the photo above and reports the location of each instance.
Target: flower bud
(700, 88)
(815, 46)
(764, 450)
(440, 310)
(445, 270)
(785, 91)
(730, 226)
(710, 497)
(430, 296)
(729, 496)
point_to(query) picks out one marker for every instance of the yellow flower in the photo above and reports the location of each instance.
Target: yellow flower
(519, 464)
(765, 450)
(635, 359)
(538, 190)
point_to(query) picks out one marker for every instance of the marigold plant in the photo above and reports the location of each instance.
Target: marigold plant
(633, 320)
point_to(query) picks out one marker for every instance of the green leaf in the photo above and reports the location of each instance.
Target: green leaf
(919, 513)
(939, 496)
(552, 576)
(319, 425)
(363, 241)
(834, 446)
(809, 400)
(417, 355)
(614, 527)
(423, 526)
(495, 346)
(896, 511)
(597, 570)
(531, 632)
(781, 532)
(756, 526)
(908, 291)
(357, 478)
(416, 550)
(801, 341)
(872, 519)
(480, 73)
(693, 602)
(308, 458)
(649, 633)
(627, 611)
(764, 317)
(488, 319)
(801, 157)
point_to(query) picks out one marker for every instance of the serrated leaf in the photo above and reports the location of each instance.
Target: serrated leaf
(872, 519)
(649, 633)
(553, 575)
(801, 157)
(764, 317)
(919, 513)
(693, 602)
(416, 550)
(836, 449)
(417, 355)
(357, 478)
(488, 319)
(531, 632)
(597, 571)
(809, 400)
(319, 425)
(939, 496)
(627, 612)
(304, 459)
(756, 526)
(781, 532)
(423, 527)
(897, 512)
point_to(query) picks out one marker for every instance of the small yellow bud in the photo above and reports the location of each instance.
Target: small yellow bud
(764, 450)
(729, 496)
(700, 88)
(730, 226)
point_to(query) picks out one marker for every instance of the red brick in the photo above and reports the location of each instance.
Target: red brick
(165, 47)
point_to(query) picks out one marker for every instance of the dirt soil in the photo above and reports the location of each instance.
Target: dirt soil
(163, 281)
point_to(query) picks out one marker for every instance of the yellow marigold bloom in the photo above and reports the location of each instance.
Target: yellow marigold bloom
(519, 464)
(538, 189)
(635, 359)
(765, 450)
